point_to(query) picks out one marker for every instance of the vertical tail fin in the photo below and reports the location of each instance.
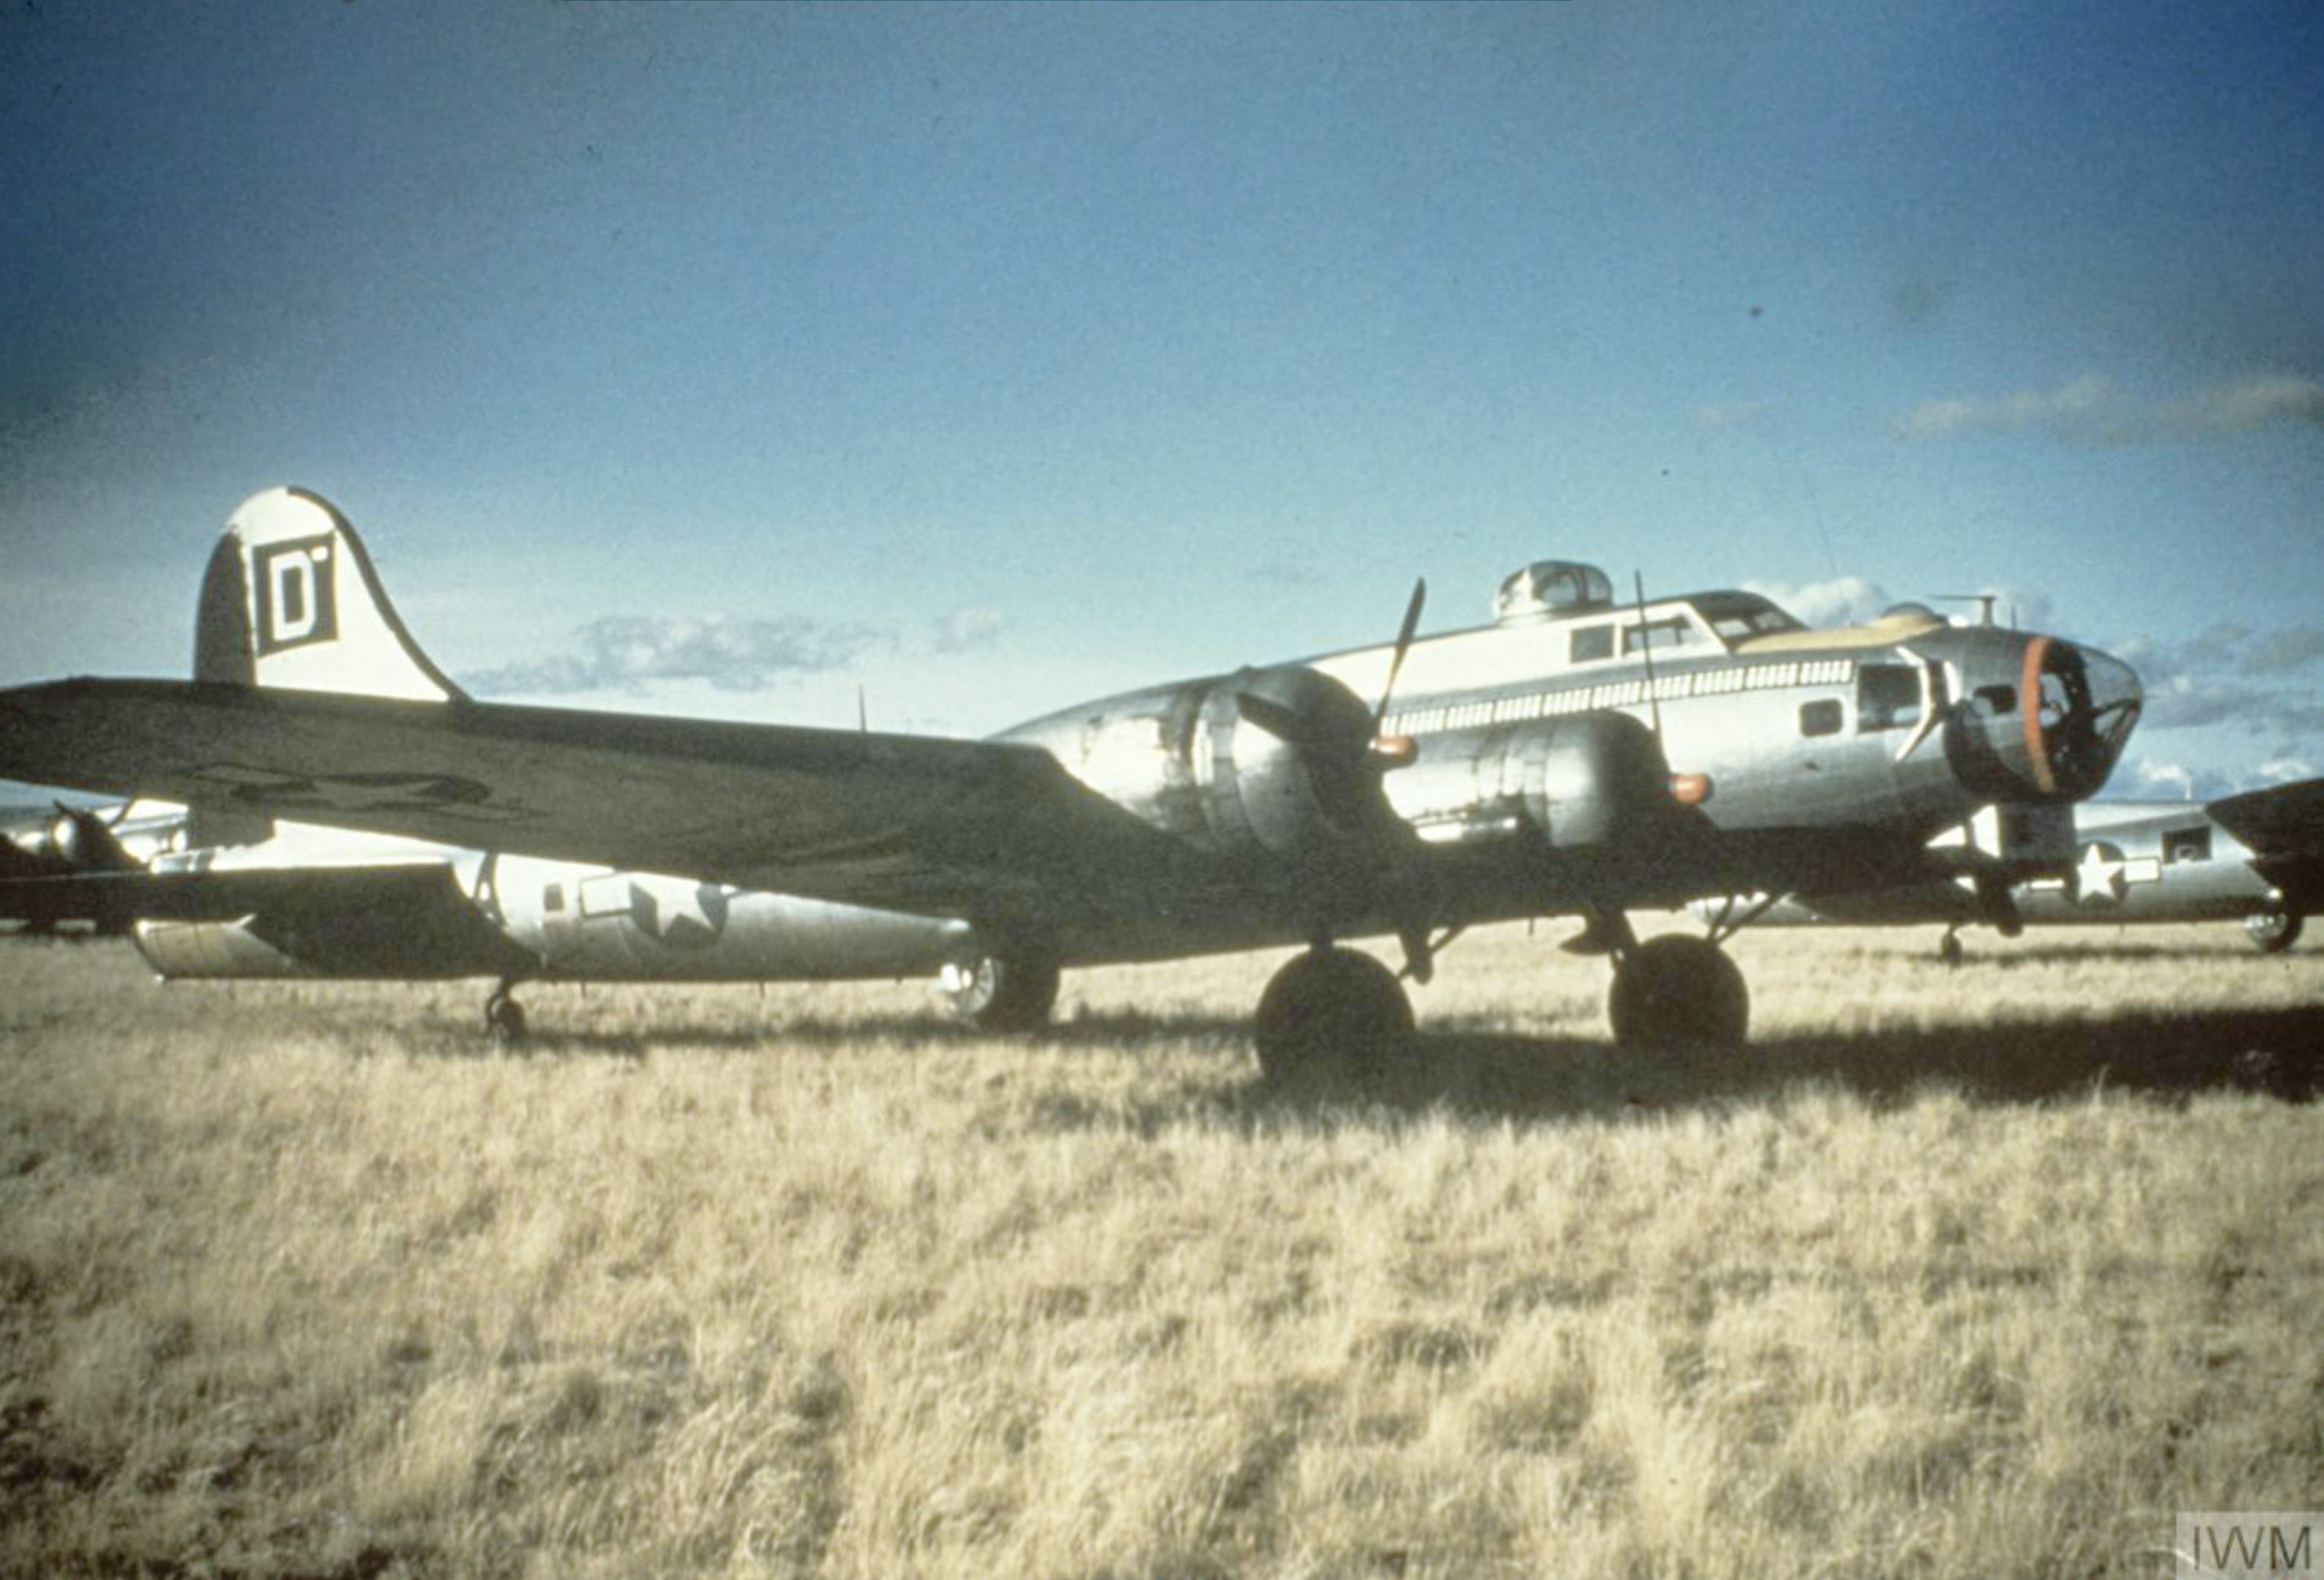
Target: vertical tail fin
(291, 599)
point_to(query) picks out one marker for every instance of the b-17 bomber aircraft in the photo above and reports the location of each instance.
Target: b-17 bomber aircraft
(1581, 755)
(2255, 858)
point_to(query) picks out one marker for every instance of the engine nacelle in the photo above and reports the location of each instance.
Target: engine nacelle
(381, 922)
(215, 950)
(1268, 763)
(1276, 763)
(1579, 783)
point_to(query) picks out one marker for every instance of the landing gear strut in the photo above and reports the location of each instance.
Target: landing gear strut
(1012, 991)
(503, 1016)
(1675, 991)
(1332, 1013)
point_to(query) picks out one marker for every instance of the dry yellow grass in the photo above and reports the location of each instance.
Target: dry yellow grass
(1955, 1273)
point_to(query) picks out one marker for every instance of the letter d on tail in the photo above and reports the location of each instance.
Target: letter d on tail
(290, 599)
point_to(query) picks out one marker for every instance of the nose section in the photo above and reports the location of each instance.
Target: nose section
(2080, 706)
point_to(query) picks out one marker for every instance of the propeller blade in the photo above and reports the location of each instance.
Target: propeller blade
(1288, 725)
(1934, 710)
(1404, 635)
(91, 843)
(1927, 727)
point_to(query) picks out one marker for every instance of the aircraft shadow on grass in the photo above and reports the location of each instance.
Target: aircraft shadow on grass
(2024, 956)
(1503, 1076)
(2279, 1053)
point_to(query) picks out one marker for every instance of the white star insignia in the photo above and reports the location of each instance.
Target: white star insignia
(685, 915)
(2100, 876)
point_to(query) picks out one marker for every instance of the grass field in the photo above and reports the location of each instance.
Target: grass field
(1976, 1272)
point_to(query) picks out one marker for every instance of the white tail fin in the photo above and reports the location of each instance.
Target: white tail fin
(290, 599)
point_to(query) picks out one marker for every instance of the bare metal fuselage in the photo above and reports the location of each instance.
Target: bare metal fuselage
(1540, 753)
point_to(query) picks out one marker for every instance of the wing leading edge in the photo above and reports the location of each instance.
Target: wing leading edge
(912, 823)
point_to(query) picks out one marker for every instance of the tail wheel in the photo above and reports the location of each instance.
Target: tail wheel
(2273, 931)
(1334, 1014)
(1678, 991)
(1010, 992)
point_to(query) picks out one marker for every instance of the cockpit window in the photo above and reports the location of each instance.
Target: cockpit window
(1737, 617)
(1590, 644)
(1674, 631)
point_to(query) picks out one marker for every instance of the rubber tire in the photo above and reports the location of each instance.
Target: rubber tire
(1679, 991)
(1335, 1015)
(2273, 932)
(505, 1019)
(1012, 992)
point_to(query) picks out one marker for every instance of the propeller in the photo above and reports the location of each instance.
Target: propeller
(1933, 711)
(1337, 755)
(1327, 742)
(1404, 635)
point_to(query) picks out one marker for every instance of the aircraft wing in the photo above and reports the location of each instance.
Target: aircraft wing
(912, 823)
(2283, 825)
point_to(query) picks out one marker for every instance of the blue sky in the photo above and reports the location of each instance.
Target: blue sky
(720, 360)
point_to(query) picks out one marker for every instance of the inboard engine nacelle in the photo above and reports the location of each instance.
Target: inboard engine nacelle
(1285, 764)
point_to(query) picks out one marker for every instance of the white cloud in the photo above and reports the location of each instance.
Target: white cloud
(1842, 601)
(627, 652)
(2066, 412)
(2094, 410)
(964, 629)
(2208, 703)
(2170, 781)
(2281, 652)
(2246, 406)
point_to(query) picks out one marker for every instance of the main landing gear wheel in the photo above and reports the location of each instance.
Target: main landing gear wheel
(503, 1016)
(1334, 1014)
(2272, 931)
(1002, 993)
(1678, 991)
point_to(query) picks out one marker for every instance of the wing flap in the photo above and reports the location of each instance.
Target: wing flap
(905, 822)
